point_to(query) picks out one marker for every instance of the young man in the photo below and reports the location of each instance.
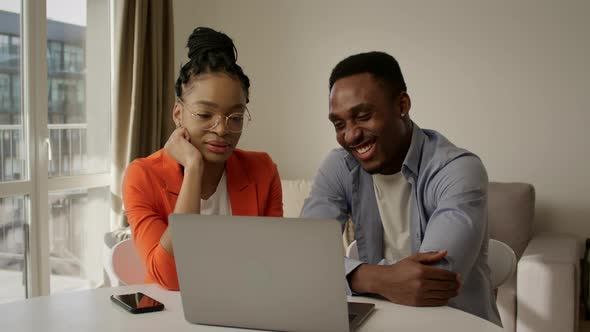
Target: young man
(418, 203)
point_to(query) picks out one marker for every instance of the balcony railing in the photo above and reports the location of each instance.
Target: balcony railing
(11, 153)
(11, 236)
(68, 151)
(68, 155)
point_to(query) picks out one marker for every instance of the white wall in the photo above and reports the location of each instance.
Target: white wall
(508, 80)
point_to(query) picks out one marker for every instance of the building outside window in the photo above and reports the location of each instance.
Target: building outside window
(73, 58)
(4, 48)
(54, 56)
(5, 95)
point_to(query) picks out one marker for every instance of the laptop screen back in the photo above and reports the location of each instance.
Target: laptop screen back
(260, 272)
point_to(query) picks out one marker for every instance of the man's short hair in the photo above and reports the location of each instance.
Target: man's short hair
(381, 65)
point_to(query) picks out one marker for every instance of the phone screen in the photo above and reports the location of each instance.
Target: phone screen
(137, 302)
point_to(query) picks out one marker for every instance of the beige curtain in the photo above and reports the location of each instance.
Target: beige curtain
(144, 87)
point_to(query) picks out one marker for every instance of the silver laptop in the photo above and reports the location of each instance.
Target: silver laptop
(263, 273)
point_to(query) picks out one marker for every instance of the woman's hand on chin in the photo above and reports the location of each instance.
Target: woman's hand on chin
(179, 147)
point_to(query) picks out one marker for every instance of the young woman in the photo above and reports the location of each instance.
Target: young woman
(200, 170)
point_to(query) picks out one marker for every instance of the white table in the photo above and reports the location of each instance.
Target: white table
(92, 310)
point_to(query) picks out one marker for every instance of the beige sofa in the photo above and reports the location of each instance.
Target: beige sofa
(543, 295)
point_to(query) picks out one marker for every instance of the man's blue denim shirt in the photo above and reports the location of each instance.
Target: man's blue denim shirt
(448, 211)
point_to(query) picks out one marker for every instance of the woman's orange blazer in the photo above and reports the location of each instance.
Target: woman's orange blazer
(150, 189)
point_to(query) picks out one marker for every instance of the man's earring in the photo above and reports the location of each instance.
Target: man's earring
(403, 114)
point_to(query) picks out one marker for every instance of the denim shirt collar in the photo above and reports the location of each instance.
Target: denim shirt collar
(411, 165)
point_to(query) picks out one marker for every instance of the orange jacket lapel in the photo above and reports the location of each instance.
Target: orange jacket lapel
(242, 190)
(173, 179)
(174, 174)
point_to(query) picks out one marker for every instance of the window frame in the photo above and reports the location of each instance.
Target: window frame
(37, 184)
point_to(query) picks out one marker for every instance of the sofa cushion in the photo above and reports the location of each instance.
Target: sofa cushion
(506, 301)
(511, 209)
(294, 194)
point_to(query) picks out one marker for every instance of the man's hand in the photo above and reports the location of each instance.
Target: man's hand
(410, 281)
(179, 147)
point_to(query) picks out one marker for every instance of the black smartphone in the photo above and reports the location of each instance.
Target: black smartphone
(137, 303)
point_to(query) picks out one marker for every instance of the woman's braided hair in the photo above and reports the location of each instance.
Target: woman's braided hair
(211, 51)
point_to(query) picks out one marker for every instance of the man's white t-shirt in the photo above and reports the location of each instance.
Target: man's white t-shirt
(217, 204)
(393, 199)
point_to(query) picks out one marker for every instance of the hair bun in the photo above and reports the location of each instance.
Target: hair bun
(205, 42)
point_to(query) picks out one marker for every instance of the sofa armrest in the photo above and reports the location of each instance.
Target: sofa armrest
(547, 284)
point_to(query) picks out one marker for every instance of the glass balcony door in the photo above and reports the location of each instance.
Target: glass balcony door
(54, 145)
